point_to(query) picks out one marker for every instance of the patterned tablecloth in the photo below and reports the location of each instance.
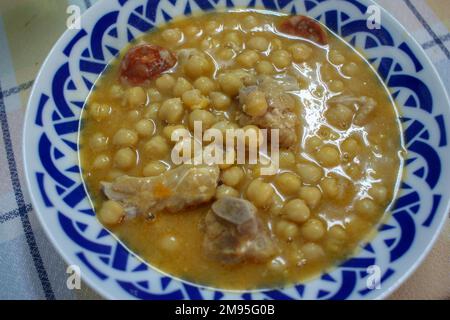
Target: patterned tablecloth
(30, 268)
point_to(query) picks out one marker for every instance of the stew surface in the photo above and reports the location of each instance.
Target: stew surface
(228, 225)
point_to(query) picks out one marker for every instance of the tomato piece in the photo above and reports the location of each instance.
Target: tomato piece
(304, 27)
(145, 62)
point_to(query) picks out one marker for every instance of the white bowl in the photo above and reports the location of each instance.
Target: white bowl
(58, 194)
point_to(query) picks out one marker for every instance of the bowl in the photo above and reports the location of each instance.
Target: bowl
(59, 196)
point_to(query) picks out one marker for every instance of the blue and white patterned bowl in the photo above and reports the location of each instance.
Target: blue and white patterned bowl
(59, 197)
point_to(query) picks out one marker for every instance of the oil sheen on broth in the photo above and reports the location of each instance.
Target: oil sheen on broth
(340, 149)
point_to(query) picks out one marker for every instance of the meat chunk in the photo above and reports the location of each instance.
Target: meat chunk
(280, 113)
(233, 233)
(179, 188)
(145, 62)
(304, 27)
(363, 105)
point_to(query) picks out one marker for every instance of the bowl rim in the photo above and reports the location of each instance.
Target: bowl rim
(101, 290)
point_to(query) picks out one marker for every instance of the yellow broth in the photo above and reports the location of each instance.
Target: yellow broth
(346, 200)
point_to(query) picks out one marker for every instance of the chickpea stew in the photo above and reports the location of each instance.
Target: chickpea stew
(227, 225)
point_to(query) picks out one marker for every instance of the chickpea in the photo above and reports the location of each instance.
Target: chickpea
(312, 252)
(313, 230)
(351, 69)
(336, 239)
(197, 66)
(205, 85)
(194, 99)
(313, 144)
(354, 171)
(379, 193)
(277, 205)
(125, 138)
(340, 116)
(288, 183)
(101, 162)
(181, 86)
(225, 54)
(206, 44)
(157, 147)
(225, 125)
(169, 243)
(287, 230)
(255, 104)
(300, 52)
(337, 232)
(136, 97)
(116, 91)
(310, 173)
(98, 142)
(111, 212)
(336, 85)
(281, 58)
(154, 168)
(260, 193)
(328, 156)
(311, 195)
(336, 57)
(287, 159)
(231, 24)
(232, 176)
(206, 118)
(226, 191)
(265, 67)
(276, 44)
(258, 43)
(351, 147)
(172, 36)
(212, 27)
(134, 115)
(248, 58)
(329, 187)
(257, 170)
(99, 112)
(233, 39)
(125, 158)
(165, 83)
(219, 100)
(145, 128)
(192, 31)
(230, 84)
(171, 111)
(296, 211)
(169, 130)
(366, 208)
(152, 112)
(250, 22)
(154, 95)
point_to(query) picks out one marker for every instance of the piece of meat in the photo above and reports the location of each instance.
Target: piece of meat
(174, 190)
(281, 108)
(145, 62)
(304, 27)
(363, 105)
(233, 233)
